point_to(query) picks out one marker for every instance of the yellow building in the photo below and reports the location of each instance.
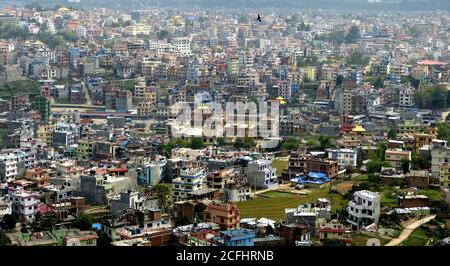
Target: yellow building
(358, 129)
(311, 73)
(44, 134)
(421, 140)
(409, 126)
(85, 149)
(444, 174)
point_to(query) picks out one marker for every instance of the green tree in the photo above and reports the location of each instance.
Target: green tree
(392, 133)
(163, 34)
(9, 222)
(103, 239)
(419, 162)
(290, 144)
(69, 36)
(374, 178)
(358, 58)
(244, 143)
(196, 143)
(84, 221)
(378, 83)
(4, 239)
(181, 220)
(324, 142)
(432, 97)
(220, 142)
(375, 165)
(336, 37)
(353, 35)
(443, 131)
(164, 194)
(342, 214)
(404, 162)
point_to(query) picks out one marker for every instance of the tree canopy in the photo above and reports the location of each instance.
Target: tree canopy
(358, 58)
(432, 97)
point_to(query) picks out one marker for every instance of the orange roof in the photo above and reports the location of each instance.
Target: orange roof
(431, 62)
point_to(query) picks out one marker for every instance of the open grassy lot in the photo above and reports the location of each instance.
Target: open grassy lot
(272, 204)
(433, 194)
(24, 86)
(18, 87)
(388, 197)
(360, 239)
(281, 164)
(3, 133)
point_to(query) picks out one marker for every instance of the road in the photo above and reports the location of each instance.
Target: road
(86, 92)
(408, 230)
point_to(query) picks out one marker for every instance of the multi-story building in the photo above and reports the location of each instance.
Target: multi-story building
(218, 179)
(153, 172)
(364, 209)
(226, 215)
(284, 89)
(86, 149)
(409, 126)
(10, 166)
(42, 105)
(38, 175)
(395, 156)
(124, 101)
(334, 230)
(440, 155)
(299, 164)
(19, 101)
(24, 203)
(239, 237)
(190, 180)
(444, 175)
(182, 46)
(345, 157)
(406, 97)
(261, 174)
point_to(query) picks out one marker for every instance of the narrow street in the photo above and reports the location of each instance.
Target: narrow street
(408, 230)
(86, 93)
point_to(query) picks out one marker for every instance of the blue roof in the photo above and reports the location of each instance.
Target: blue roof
(312, 178)
(317, 175)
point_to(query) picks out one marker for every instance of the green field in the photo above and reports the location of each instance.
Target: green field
(3, 133)
(417, 238)
(280, 164)
(388, 198)
(360, 239)
(18, 87)
(272, 204)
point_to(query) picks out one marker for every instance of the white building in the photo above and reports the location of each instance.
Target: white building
(261, 174)
(440, 155)
(284, 89)
(182, 46)
(406, 97)
(10, 165)
(24, 203)
(190, 180)
(364, 209)
(345, 157)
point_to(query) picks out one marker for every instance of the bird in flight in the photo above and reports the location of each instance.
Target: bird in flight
(259, 18)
